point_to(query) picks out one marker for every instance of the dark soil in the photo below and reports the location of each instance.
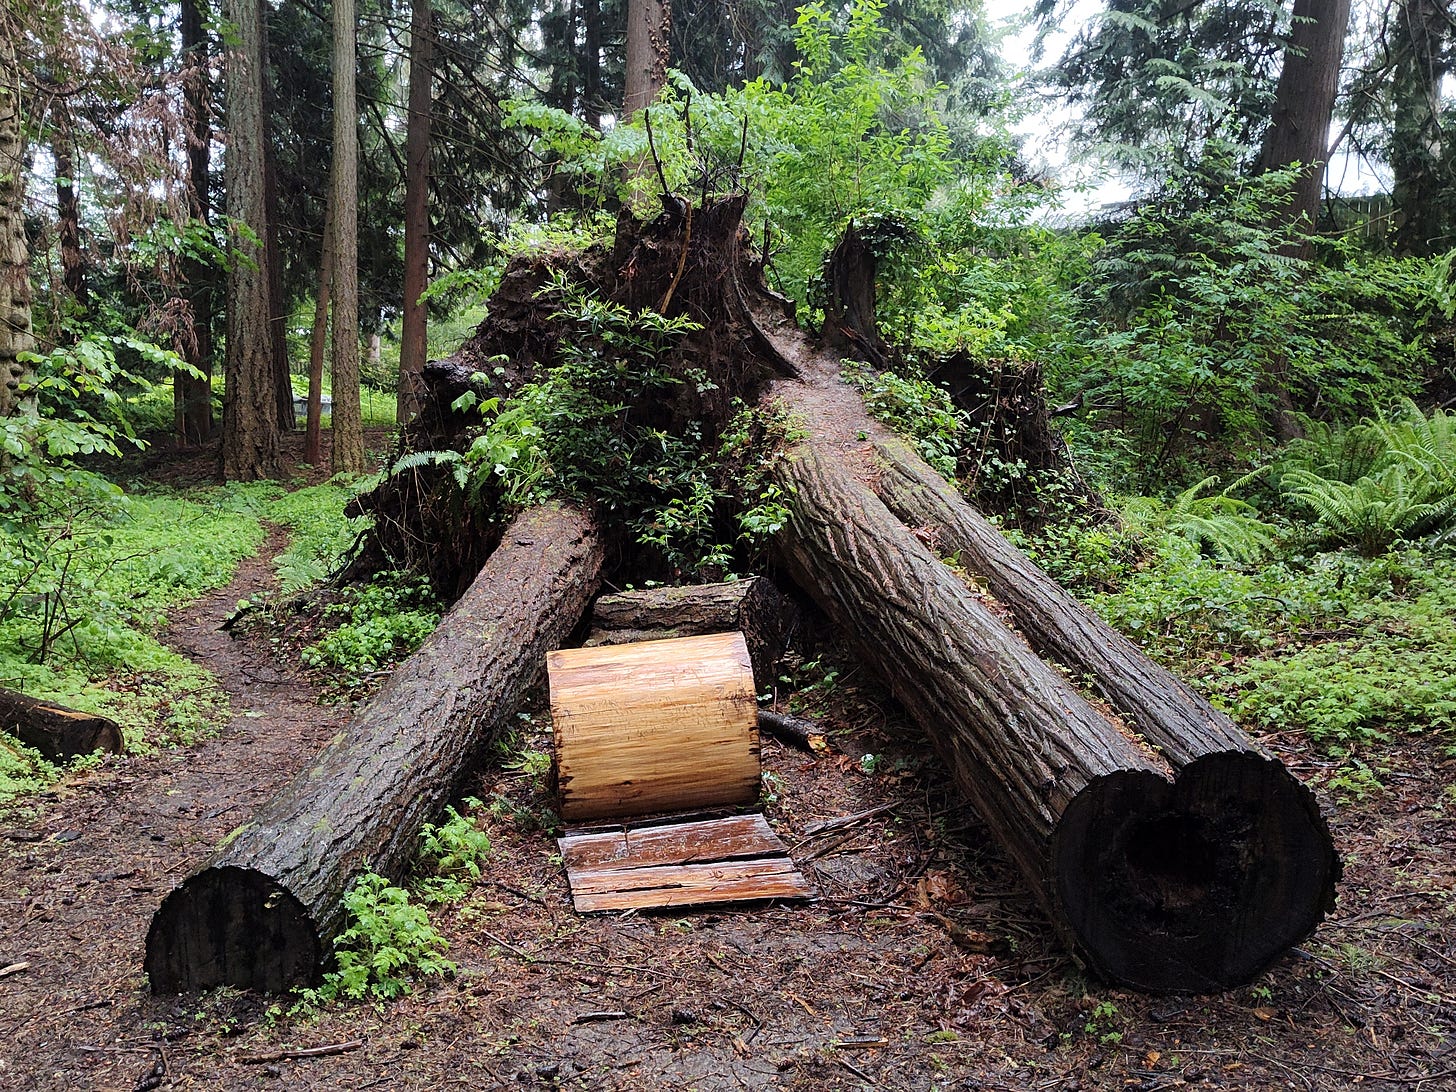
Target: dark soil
(921, 965)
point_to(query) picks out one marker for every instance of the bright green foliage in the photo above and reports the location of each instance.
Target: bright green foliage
(1392, 669)
(450, 856)
(388, 942)
(319, 534)
(1220, 525)
(1191, 325)
(1377, 482)
(854, 135)
(917, 409)
(383, 621)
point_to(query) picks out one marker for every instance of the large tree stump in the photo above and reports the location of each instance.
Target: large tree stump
(260, 913)
(57, 732)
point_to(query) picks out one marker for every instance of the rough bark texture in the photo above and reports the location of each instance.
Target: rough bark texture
(192, 395)
(68, 208)
(1304, 101)
(649, 25)
(249, 415)
(317, 342)
(1185, 869)
(1153, 701)
(754, 607)
(412, 340)
(58, 733)
(1193, 883)
(346, 420)
(16, 334)
(261, 911)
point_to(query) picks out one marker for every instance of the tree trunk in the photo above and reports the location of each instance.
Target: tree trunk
(591, 70)
(16, 334)
(262, 910)
(192, 395)
(68, 209)
(754, 607)
(348, 426)
(649, 23)
(277, 297)
(1162, 883)
(1299, 131)
(58, 733)
(1153, 701)
(249, 415)
(318, 338)
(415, 317)
(1418, 160)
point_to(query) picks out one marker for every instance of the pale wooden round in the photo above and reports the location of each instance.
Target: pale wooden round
(654, 726)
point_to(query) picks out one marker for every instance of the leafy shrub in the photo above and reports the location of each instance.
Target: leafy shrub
(388, 941)
(450, 856)
(383, 621)
(1193, 324)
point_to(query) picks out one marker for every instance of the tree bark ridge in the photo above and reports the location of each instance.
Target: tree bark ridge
(260, 913)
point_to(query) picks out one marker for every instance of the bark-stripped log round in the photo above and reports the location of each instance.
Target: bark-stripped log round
(1192, 884)
(654, 726)
(261, 911)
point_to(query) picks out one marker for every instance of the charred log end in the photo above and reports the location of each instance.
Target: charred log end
(231, 926)
(1198, 884)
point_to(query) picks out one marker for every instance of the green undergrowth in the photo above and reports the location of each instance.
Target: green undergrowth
(87, 584)
(380, 623)
(1350, 651)
(389, 941)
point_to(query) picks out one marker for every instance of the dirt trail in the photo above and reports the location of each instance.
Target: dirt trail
(79, 882)
(922, 965)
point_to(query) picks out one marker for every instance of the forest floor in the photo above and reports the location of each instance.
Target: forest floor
(921, 964)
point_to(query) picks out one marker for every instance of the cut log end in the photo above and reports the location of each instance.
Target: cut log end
(1197, 884)
(231, 926)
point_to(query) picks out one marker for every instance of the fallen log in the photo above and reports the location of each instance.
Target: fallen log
(261, 911)
(57, 732)
(1169, 713)
(753, 606)
(1193, 883)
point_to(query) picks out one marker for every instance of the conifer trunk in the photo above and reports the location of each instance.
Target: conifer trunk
(348, 426)
(250, 415)
(414, 326)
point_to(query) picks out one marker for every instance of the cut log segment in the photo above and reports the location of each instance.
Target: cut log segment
(260, 913)
(754, 607)
(679, 864)
(655, 726)
(57, 732)
(1193, 884)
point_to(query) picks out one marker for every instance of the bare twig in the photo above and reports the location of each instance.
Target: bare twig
(302, 1052)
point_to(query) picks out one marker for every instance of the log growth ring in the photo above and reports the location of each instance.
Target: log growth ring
(231, 926)
(1197, 884)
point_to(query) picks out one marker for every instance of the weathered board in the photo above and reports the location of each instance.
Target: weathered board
(708, 861)
(655, 726)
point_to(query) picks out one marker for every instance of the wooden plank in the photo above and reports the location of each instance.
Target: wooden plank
(705, 885)
(654, 726)
(674, 843)
(680, 864)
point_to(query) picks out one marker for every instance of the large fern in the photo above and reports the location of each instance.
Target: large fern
(1373, 511)
(1220, 524)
